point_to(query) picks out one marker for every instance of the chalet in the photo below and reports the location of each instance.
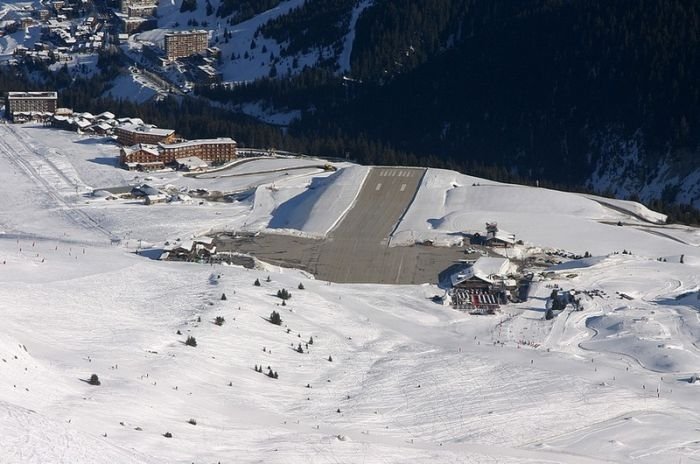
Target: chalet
(190, 250)
(482, 286)
(144, 190)
(496, 237)
(105, 116)
(101, 128)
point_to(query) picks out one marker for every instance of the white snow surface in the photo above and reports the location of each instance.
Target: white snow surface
(316, 211)
(409, 381)
(448, 203)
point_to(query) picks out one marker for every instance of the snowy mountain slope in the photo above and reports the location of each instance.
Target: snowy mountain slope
(31, 438)
(246, 54)
(409, 379)
(449, 203)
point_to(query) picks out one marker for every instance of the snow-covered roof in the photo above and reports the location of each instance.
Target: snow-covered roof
(82, 123)
(204, 240)
(152, 149)
(102, 126)
(145, 190)
(145, 129)
(32, 95)
(105, 115)
(486, 269)
(502, 235)
(135, 121)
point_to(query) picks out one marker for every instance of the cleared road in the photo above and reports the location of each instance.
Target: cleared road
(357, 250)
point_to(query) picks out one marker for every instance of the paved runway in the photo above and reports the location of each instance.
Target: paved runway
(356, 250)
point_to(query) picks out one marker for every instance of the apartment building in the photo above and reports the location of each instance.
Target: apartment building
(132, 134)
(30, 102)
(181, 44)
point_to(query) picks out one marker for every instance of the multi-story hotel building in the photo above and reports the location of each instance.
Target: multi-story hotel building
(181, 44)
(130, 134)
(30, 102)
(219, 150)
(215, 151)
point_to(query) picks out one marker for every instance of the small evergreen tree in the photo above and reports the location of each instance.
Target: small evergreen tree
(223, 297)
(301, 286)
(168, 435)
(191, 341)
(257, 282)
(94, 380)
(311, 340)
(275, 318)
(268, 279)
(219, 320)
(330, 358)
(283, 294)
(300, 349)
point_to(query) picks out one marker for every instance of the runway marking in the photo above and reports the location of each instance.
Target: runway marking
(379, 186)
(403, 187)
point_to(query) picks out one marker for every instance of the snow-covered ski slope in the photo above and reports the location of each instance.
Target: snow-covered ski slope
(409, 380)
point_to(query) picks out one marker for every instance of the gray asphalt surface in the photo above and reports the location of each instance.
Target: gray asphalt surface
(356, 250)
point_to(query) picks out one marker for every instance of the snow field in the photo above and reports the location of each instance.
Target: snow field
(606, 383)
(449, 203)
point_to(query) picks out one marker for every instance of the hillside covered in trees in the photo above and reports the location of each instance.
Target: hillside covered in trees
(530, 86)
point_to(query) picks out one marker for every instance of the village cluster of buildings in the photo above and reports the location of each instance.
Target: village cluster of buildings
(143, 146)
(70, 27)
(52, 12)
(62, 37)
